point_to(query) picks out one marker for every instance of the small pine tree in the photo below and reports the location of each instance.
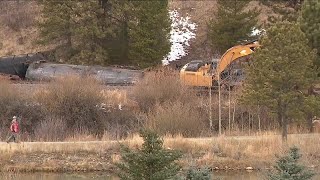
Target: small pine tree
(151, 162)
(198, 174)
(232, 24)
(288, 168)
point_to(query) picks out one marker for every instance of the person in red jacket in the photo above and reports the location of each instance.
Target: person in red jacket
(14, 129)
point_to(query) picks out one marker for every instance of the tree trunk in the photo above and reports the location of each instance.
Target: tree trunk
(310, 125)
(284, 121)
(259, 120)
(233, 115)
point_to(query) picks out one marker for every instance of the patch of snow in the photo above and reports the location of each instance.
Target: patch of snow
(257, 32)
(182, 31)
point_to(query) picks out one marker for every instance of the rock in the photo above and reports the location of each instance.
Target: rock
(312, 166)
(14, 77)
(216, 168)
(249, 168)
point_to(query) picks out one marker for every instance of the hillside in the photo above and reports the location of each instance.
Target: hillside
(18, 30)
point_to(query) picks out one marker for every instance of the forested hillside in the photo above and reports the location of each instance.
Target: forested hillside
(20, 31)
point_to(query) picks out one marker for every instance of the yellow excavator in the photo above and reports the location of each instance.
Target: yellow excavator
(202, 74)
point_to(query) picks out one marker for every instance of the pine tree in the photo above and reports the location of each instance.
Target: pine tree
(232, 24)
(149, 37)
(198, 174)
(288, 168)
(309, 19)
(122, 14)
(107, 31)
(92, 30)
(78, 29)
(311, 108)
(151, 162)
(284, 10)
(310, 23)
(56, 24)
(281, 72)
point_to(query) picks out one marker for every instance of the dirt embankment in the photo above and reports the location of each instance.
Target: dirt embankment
(224, 153)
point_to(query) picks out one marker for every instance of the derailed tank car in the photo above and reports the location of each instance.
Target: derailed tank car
(106, 75)
(18, 65)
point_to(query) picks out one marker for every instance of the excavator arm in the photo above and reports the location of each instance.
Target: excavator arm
(234, 53)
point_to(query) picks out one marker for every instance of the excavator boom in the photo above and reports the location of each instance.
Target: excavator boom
(234, 53)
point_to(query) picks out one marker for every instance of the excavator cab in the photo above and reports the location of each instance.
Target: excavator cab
(197, 73)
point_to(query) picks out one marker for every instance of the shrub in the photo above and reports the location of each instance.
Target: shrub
(159, 87)
(198, 174)
(14, 103)
(75, 100)
(288, 167)
(151, 162)
(51, 129)
(177, 118)
(121, 123)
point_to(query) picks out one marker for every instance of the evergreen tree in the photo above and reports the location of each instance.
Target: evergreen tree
(310, 23)
(77, 28)
(311, 108)
(284, 10)
(288, 168)
(56, 24)
(118, 45)
(149, 39)
(281, 72)
(231, 24)
(309, 20)
(151, 162)
(91, 34)
(107, 31)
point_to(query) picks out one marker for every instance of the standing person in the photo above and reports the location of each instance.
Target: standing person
(14, 128)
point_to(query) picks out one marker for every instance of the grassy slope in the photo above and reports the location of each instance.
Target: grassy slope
(17, 27)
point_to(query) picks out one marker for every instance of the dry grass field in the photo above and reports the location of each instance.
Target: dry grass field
(232, 153)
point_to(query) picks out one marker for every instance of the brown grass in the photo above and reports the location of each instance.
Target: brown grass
(18, 15)
(51, 129)
(18, 30)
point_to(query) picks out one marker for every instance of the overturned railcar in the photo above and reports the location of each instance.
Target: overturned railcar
(106, 75)
(18, 65)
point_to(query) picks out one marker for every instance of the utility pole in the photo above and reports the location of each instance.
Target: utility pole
(219, 103)
(229, 89)
(259, 119)
(210, 107)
